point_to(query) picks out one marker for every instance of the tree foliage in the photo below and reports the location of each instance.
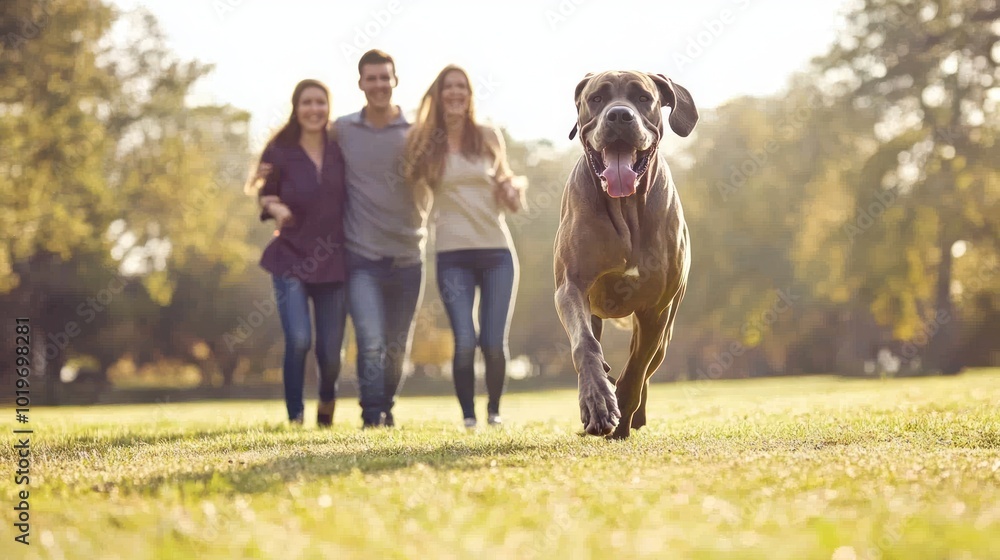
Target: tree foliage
(856, 212)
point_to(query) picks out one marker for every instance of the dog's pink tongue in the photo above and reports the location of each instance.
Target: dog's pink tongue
(619, 174)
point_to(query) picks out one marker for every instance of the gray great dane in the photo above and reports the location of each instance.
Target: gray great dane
(622, 247)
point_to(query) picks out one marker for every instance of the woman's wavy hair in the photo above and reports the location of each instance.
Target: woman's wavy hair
(427, 142)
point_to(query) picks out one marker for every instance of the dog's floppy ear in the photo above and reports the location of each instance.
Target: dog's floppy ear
(683, 113)
(576, 96)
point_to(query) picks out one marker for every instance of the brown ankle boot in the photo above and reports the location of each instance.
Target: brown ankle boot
(324, 414)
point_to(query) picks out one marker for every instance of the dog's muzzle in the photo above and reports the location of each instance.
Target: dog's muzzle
(618, 162)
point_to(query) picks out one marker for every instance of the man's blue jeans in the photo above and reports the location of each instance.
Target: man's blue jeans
(383, 298)
(329, 306)
(459, 273)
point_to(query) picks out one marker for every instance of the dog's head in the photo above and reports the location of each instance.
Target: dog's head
(620, 123)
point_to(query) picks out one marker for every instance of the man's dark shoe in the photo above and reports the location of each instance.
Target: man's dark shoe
(387, 420)
(369, 422)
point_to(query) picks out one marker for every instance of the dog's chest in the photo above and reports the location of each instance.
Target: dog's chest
(637, 285)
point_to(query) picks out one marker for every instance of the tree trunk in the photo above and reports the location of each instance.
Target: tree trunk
(49, 346)
(944, 324)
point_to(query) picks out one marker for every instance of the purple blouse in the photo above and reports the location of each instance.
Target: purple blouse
(312, 247)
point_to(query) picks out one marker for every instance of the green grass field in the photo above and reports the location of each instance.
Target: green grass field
(776, 469)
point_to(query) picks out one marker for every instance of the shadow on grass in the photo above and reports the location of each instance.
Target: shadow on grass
(294, 459)
(305, 465)
(156, 436)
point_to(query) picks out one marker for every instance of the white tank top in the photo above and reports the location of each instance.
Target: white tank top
(466, 215)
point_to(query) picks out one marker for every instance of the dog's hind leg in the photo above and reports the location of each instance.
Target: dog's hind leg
(647, 337)
(639, 418)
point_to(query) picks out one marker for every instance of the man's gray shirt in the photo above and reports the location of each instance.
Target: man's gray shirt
(383, 218)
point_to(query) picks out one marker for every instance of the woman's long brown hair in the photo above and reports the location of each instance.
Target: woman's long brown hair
(288, 134)
(427, 142)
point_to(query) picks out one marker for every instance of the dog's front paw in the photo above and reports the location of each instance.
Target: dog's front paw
(598, 405)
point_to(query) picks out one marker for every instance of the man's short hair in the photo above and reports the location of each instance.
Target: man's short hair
(376, 56)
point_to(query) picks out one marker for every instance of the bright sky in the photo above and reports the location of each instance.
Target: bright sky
(525, 57)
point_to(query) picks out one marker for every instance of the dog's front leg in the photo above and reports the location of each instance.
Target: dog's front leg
(598, 403)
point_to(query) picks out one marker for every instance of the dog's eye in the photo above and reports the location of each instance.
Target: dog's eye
(643, 98)
(595, 99)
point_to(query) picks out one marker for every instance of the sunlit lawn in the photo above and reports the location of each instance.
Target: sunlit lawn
(780, 468)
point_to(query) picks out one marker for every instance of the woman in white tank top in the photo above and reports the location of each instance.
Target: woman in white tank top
(465, 165)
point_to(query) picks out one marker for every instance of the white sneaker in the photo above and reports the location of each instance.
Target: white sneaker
(470, 423)
(494, 420)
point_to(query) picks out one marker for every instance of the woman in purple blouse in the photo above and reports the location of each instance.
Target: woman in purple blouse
(304, 194)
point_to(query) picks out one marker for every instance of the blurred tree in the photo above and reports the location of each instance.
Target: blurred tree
(928, 70)
(122, 197)
(750, 199)
(179, 174)
(54, 148)
(858, 209)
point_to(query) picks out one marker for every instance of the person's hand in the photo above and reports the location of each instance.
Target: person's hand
(268, 199)
(282, 215)
(509, 196)
(263, 171)
(272, 205)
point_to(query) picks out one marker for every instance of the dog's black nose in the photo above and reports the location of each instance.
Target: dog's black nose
(620, 114)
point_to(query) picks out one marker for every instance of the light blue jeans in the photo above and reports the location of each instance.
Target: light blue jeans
(329, 306)
(383, 300)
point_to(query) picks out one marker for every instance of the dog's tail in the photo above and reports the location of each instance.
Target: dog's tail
(623, 323)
